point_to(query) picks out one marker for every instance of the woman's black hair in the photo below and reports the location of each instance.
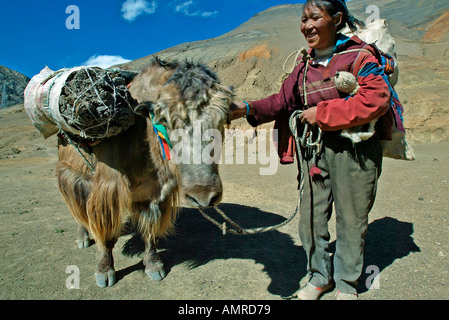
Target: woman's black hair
(332, 7)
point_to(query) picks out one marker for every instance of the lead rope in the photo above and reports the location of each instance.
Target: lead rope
(237, 229)
(305, 141)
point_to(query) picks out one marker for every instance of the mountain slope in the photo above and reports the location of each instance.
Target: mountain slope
(12, 85)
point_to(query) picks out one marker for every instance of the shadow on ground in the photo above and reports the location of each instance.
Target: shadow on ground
(388, 239)
(198, 242)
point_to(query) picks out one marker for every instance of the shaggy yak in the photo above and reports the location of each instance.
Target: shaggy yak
(125, 180)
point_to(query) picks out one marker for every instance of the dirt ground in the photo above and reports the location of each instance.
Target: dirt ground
(407, 239)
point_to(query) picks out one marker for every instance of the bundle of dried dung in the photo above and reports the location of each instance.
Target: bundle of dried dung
(97, 102)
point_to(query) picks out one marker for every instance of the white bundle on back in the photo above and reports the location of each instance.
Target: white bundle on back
(377, 33)
(88, 102)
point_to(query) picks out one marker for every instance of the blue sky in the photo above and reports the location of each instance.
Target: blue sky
(36, 33)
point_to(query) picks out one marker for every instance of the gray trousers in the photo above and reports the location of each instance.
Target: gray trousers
(348, 182)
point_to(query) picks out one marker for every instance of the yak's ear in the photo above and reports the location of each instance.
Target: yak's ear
(144, 109)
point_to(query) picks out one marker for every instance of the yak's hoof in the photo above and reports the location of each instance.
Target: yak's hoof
(156, 275)
(83, 244)
(155, 271)
(105, 279)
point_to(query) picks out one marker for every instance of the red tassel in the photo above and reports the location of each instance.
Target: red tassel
(315, 171)
(166, 149)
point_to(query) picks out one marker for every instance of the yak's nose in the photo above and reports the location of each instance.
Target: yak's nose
(210, 199)
(215, 199)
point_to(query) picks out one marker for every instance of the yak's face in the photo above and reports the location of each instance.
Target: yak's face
(194, 107)
(197, 145)
(197, 152)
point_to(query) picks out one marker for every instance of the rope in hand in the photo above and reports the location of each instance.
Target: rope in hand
(309, 140)
(311, 135)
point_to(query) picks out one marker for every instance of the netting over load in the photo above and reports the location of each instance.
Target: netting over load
(89, 102)
(97, 103)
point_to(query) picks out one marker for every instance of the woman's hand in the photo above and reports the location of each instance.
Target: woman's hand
(239, 110)
(309, 116)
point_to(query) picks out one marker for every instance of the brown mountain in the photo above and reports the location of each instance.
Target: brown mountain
(251, 57)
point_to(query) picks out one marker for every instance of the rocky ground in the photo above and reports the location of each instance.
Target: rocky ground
(407, 239)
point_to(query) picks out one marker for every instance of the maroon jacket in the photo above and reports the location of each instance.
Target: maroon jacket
(336, 111)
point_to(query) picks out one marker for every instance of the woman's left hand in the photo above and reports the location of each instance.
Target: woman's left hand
(309, 116)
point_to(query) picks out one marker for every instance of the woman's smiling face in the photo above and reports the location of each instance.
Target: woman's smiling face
(319, 28)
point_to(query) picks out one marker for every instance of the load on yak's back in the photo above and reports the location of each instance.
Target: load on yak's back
(89, 102)
(377, 33)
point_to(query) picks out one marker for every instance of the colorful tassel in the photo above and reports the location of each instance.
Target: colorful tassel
(315, 171)
(164, 141)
